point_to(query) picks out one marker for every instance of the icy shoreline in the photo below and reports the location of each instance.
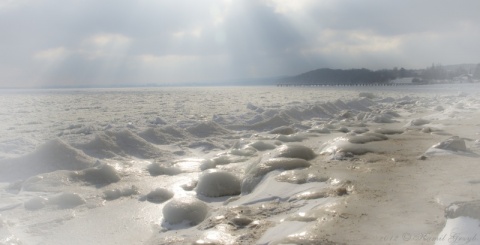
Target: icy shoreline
(262, 171)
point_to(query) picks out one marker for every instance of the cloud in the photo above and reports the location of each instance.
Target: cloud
(51, 55)
(106, 42)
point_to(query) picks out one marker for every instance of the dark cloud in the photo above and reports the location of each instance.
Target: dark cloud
(47, 42)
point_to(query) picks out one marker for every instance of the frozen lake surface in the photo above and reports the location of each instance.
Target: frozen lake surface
(239, 165)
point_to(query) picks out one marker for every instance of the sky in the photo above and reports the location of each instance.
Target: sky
(115, 42)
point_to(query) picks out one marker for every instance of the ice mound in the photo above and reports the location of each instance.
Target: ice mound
(246, 151)
(79, 129)
(318, 111)
(367, 95)
(246, 147)
(375, 117)
(463, 224)
(100, 175)
(263, 167)
(62, 179)
(216, 183)
(388, 131)
(291, 138)
(418, 122)
(55, 181)
(319, 193)
(158, 168)
(269, 189)
(452, 144)
(216, 237)
(67, 200)
(297, 176)
(204, 145)
(190, 165)
(294, 151)
(185, 210)
(223, 159)
(159, 195)
(439, 108)
(284, 130)
(363, 104)
(468, 209)
(254, 107)
(116, 193)
(161, 136)
(123, 143)
(360, 130)
(256, 171)
(158, 121)
(341, 145)
(366, 137)
(207, 129)
(51, 156)
(320, 130)
(35, 203)
(272, 123)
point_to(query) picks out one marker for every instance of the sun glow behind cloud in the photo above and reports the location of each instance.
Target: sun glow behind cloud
(108, 42)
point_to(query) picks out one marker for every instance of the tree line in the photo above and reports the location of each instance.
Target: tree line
(366, 76)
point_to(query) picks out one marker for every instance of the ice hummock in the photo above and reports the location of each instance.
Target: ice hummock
(51, 156)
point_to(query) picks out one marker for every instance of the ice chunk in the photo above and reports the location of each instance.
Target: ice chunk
(159, 195)
(215, 183)
(284, 130)
(463, 224)
(366, 137)
(158, 121)
(101, 175)
(194, 164)
(322, 130)
(300, 176)
(290, 138)
(206, 129)
(123, 143)
(342, 145)
(157, 168)
(116, 193)
(35, 203)
(270, 189)
(277, 163)
(163, 135)
(271, 123)
(452, 144)
(257, 170)
(388, 131)
(52, 156)
(294, 151)
(185, 209)
(418, 122)
(262, 145)
(468, 209)
(67, 200)
(367, 95)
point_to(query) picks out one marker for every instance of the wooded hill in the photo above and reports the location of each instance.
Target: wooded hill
(365, 76)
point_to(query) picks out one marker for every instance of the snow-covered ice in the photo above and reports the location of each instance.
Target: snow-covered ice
(227, 165)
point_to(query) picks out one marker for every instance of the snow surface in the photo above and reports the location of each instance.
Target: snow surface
(204, 165)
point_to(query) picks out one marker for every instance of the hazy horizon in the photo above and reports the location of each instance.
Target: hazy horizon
(106, 44)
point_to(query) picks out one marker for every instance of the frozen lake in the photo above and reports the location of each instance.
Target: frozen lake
(233, 165)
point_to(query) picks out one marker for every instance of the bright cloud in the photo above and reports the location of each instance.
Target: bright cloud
(52, 55)
(106, 42)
